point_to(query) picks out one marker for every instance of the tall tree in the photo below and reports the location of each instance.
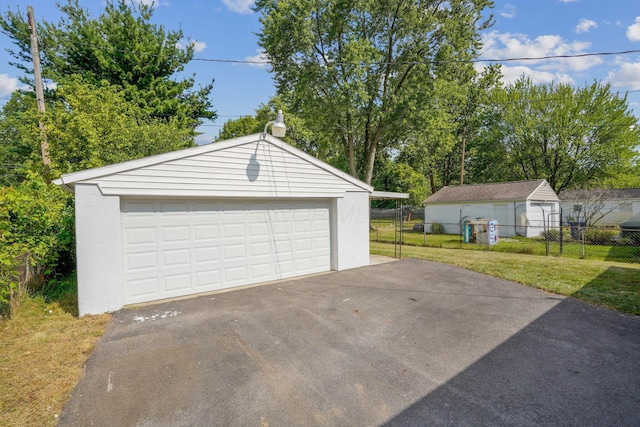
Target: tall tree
(19, 137)
(445, 126)
(402, 178)
(92, 126)
(121, 47)
(349, 68)
(572, 137)
(298, 135)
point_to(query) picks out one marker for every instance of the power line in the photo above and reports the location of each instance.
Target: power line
(383, 63)
(364, 63)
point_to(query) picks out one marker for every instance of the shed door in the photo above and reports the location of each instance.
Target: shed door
(173, 248)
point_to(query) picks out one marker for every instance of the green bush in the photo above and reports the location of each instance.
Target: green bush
(552, 235)
(36, 231)
(437, 228)
(600, 236)
(625, 241)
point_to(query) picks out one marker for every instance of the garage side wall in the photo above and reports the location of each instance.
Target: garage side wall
(98, 246)
(351, 231)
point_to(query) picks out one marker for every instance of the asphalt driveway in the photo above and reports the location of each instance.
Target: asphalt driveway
(407, 343)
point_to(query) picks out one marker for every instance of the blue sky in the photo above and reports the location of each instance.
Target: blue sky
(225, 29)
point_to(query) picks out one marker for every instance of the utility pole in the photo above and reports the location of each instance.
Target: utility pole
(44, 145)
(464, 143)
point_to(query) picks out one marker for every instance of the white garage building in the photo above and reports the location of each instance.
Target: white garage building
(233, 213)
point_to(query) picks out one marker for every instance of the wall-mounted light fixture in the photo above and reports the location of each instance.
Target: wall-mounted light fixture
(278, 128)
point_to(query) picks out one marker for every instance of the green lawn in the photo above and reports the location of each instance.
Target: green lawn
(384, 231)
(609, 284)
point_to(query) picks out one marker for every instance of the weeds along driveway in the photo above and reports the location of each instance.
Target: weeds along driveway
(405, 343)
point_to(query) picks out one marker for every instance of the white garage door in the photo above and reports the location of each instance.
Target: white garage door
(174, 248)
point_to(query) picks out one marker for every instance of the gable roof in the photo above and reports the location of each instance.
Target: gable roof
(606, 193)
(252, 166)
(537, 189)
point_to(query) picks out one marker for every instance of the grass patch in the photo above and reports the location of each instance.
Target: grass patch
(605, 283)
(43, 349)
(385, 232)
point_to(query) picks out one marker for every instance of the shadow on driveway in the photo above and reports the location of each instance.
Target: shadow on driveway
(404, 343)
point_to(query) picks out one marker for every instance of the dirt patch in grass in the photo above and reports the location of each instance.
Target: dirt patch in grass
(43, 349)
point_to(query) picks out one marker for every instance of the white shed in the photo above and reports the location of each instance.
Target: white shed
(233, 213)
(521, 208)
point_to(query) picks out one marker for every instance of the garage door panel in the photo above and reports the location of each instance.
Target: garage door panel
(234, 252)
(320, 260)
(304, 244)
(175, 233)
(207, 279)
(174, 248)
(177, 257)
(140, 235)
(234, 230)
(141, 261)
(321, 225)
(259, 249)
(261, 272)
(177, 282)
(258, 229)
(139, 208)
(284, 268)
(205, 232)
(322, 243)
(207, 255)
(235, 275)
(147, 287)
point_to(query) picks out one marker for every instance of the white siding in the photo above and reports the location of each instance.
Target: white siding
(615, 212)
(514, 218)
(449, 215)
(544, 192)
(98, 245)
(256, 169)
(351, 231)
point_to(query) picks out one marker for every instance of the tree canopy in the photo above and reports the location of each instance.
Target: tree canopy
(115, 95)
(121, 47)
(359, 70)
(572, 137)
(91, 126)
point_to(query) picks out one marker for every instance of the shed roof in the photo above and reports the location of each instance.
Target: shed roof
(606, 193)
(250, 166)
(537, 189)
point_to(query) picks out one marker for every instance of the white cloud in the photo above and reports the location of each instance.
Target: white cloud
(260, 60)
(145, 2)
(239, 6)
(507, 45)
(567, 1)
(585, 26)
(198, 46)
(633, 31)
(511, 74)
(626, 76)
(508, 12)
(7, 84)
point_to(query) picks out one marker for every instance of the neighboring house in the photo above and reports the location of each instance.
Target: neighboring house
(233, 213)
(601, 207)
(521, 208)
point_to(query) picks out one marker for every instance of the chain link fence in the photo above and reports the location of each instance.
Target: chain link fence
(574, 241)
